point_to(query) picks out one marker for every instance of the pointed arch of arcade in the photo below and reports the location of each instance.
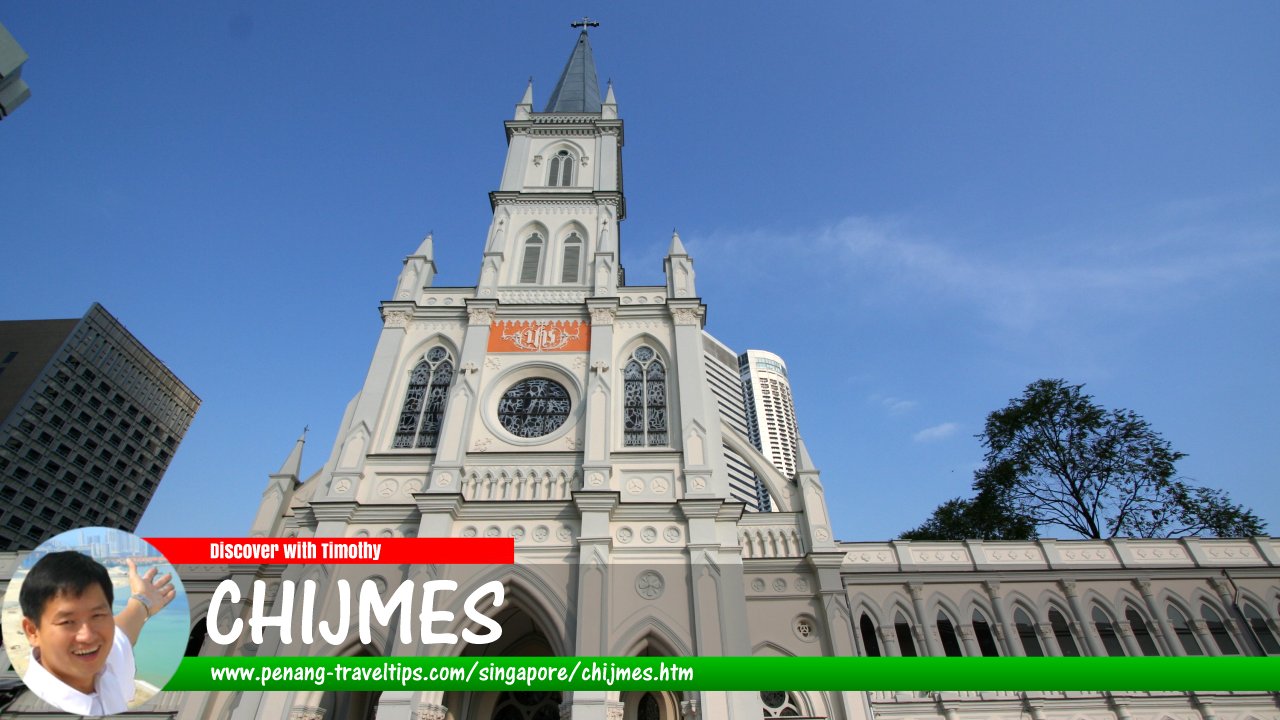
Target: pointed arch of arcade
(650, 635)
(773, 480)
(355, 705)
(813, 704)
(531, 594)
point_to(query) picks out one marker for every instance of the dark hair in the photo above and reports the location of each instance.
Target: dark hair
(67, 572)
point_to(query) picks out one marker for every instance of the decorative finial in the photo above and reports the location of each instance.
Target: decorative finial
(584, 23)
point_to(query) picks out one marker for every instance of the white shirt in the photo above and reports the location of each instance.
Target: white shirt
(113, 687)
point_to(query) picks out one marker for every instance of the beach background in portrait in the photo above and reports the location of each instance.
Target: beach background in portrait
(163, 641)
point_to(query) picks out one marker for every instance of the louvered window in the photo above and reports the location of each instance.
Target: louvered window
(532, 261)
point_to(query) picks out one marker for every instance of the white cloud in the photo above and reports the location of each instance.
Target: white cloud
(1155, 260)
(893, 405)
(937, 432)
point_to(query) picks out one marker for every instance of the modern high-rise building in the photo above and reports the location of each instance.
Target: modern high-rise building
(89, 421)
(771, 413)
(13, 91)
(722, 379)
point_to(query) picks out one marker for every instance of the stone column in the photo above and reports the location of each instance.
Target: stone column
(1244, 634)
(888, 642)
(1125, 631)
(1092, 643)
(429, 711)
(971, 648)
(1205, 637)
(1010, 640)
(1048, 641)
(922, 621)
(1166, 638)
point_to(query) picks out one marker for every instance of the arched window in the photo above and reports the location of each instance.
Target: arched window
(870, 642)
(423, 409)
(986, 639)
(535, 705)
(531, 264)
(1261, 630)
(1107, 632)
(906, 644)
(1062, 633)
(648, 709)
(779, 704)
(561, 172)
(571, 270)
(1027, 634)
(947, 631)
(644, 405)
(1186, 635)
(1140, 631)
(1218, 630)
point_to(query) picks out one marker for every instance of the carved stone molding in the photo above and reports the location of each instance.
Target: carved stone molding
(650, 585)
(306, 713)
(686, 316)
(542, 296)
(395, 319)
(603, 315)
(431, 711)
(480, 316)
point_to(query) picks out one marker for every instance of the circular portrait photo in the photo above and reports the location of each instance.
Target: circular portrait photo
(95, 622)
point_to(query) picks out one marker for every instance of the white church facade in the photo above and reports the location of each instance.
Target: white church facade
(555, 404)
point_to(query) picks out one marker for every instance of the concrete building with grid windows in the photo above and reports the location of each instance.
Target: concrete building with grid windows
(91, 420)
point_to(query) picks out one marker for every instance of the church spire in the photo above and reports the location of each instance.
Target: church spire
(293, 464)
(579, 88)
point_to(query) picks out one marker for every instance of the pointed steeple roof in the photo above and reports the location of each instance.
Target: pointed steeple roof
(293, 463)
(579, 89)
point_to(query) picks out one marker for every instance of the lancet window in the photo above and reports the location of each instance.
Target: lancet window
(902, 628)
(1186, 635)
(571, 268)
(1261, 630)
(982, 632)
(424, 401)
(947, 632)
(1140, 631)
(644, 407)
(531, 263)
(1107, 633)
(1062, 633)
(1027, 634)
(561, 171)
(870, 643)
(1218, 630)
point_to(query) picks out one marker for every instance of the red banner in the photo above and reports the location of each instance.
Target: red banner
(335, 551)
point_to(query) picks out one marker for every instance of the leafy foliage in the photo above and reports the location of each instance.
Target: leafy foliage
(1055, 458)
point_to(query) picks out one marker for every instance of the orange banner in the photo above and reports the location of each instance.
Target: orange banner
(540, 336)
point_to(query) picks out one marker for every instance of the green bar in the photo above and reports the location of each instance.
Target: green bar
(1181, 674)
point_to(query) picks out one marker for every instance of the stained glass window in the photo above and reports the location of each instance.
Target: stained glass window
(644, 405)
(424, 401)
(534, 407)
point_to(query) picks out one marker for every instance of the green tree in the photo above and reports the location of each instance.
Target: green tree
(1055, 458)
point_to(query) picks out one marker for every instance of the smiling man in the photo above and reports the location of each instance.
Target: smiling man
(82, 656)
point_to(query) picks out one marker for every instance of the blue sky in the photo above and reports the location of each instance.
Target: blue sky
(921, 206)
